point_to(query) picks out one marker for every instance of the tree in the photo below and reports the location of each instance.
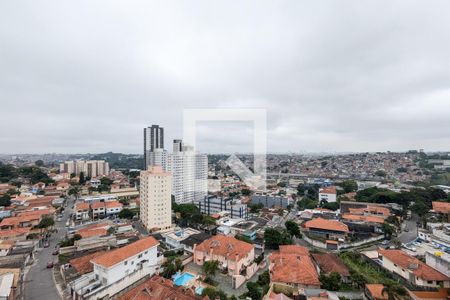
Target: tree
(213, 293)
(307, 203)
(171, 266)
(82, 179)
(420, 208)
(273, 238)
(39, 163)
(209, 269)
(388, 230)
(46, 222)
(126, 213)
(349, 186)
(330, 282)
(75, 191)
(254, 291)
(380, 173)
(246, 192)
(5, 200)
(292, 228)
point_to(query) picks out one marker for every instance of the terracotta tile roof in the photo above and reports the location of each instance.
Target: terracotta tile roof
(371, 209)
(294, 249)
(83, 264)
(280, 296)
(113, 257)
(330, 262)
(328, 190)
(14, 232)
(441, 207)
(113, 204)
(85, 233)
(159, 288)
(406, 261)
(38, 212)
(226, 246)
(81, 206)
(366, 219)
(376, 291)
(442, 294)
(97, 205)
(15, 221)
(332, 225)
(292, 268)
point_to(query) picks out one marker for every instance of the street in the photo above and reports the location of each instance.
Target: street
(411, 234)
(39, 283)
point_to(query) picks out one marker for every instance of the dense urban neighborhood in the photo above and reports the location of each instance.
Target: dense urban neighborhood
(185, 226)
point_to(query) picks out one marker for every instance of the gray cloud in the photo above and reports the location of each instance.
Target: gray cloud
(333, 75)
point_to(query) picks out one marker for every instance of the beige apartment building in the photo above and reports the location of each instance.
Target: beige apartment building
(155, 197)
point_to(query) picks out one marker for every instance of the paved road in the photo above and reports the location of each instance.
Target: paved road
(411, 234)
(39, 283)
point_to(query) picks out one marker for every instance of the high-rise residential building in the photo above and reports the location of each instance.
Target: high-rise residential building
(156, 198)
(190, 173)
(153, 139)
(90, 168)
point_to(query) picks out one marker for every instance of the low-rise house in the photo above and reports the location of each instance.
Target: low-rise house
(81, 210)
(174, 237)
(234, 255)
(159, 288)
(327, 194)
(292, 265)
(375, 291)
(17, 234)
(117, 269)
(329, 262)
(20, 222)
(441, 294)
(443, 209)
(120, 262)
(98, 210)
(113, 208)
(328, 229)
(438, 260)
(412, 269)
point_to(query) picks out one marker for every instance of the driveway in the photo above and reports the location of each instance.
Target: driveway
(39, 283)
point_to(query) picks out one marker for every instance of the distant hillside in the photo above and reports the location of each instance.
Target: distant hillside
(120, 160)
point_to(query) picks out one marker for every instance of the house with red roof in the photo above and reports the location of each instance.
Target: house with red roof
(326, 228)
(233, 254)
(117, 269)
(412, 269)
(292, 266)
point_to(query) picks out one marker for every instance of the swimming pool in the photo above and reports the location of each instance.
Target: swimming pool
(183, 279)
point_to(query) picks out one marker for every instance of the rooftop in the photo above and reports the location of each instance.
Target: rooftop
(330, 262)
(225, 246)
(114, 257)
(413, 264)
(326, 224)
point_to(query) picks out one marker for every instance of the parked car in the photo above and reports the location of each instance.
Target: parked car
(50, 264)
(46, 244)
(385, 242)
(55, 252)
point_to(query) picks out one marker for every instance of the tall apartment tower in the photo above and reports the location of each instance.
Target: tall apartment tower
(155, 195)
(190, 173)
(153, 139)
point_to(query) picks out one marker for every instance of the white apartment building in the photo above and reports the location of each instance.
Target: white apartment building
(117, 269)
(190, 174)
(189, 171)
(90, 168)
(156, 198)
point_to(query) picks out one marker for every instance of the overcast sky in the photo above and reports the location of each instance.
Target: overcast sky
(87, 76)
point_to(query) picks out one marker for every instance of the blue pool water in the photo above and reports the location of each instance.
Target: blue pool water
(183, 279)
(199, 290)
